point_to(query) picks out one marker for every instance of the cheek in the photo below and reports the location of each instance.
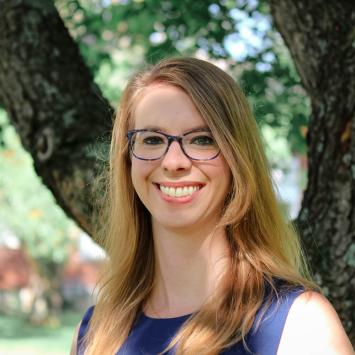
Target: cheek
(222, 177)
(140, 172)
(220, 172)
(137, 174)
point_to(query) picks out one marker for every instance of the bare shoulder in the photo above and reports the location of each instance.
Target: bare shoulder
(313, 327)
(73, 350)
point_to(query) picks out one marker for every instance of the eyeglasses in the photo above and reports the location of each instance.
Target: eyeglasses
(198, 144)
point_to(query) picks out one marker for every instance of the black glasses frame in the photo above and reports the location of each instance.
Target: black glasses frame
(170, 138)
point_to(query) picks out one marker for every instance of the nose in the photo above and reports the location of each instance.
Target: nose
(175, 159)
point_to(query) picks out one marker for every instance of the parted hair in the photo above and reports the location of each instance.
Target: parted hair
(264, 244)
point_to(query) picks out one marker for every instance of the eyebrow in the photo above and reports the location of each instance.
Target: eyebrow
(157, 128)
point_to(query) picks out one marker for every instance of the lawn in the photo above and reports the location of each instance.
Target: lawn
(18, 337)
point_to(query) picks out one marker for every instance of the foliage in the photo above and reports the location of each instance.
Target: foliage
(116, 37)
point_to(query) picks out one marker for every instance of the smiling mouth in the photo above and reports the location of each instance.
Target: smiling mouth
(179, 191)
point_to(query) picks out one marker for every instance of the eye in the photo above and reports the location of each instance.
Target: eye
(202, 140)
(153, 140)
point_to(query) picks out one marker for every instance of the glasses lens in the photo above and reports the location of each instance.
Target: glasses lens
(149, 145)
(200, 145)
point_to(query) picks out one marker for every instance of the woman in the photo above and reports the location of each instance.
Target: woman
(201, 258)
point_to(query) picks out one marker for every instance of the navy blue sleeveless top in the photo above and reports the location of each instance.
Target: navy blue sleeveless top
(149, 336)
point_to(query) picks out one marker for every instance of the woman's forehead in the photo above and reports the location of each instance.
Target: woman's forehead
(166, 107)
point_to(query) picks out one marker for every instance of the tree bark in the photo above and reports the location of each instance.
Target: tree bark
(321, 36)
(59, 112)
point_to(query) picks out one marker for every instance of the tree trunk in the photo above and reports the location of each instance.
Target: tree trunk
(52, 101)
(321, 36)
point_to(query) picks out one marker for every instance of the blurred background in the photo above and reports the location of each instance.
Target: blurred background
(48, 265)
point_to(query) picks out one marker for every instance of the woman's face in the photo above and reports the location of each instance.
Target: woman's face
(170, 110)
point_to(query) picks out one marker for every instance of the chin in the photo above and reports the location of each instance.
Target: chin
(176, 222)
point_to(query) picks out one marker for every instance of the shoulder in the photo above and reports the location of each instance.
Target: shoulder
(80, 331)
(313, 327)
(73, 350)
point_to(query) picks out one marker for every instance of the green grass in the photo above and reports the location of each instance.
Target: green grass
(19, 337)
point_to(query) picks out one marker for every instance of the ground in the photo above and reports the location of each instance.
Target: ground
(18, 337)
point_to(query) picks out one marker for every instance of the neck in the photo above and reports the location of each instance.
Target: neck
(189, 264)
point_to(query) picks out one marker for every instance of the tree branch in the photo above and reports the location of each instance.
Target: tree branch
(52, 101)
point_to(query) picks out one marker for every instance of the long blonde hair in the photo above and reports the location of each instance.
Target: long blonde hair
(264, 245)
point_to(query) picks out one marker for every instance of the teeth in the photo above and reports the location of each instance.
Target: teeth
(179, 191)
